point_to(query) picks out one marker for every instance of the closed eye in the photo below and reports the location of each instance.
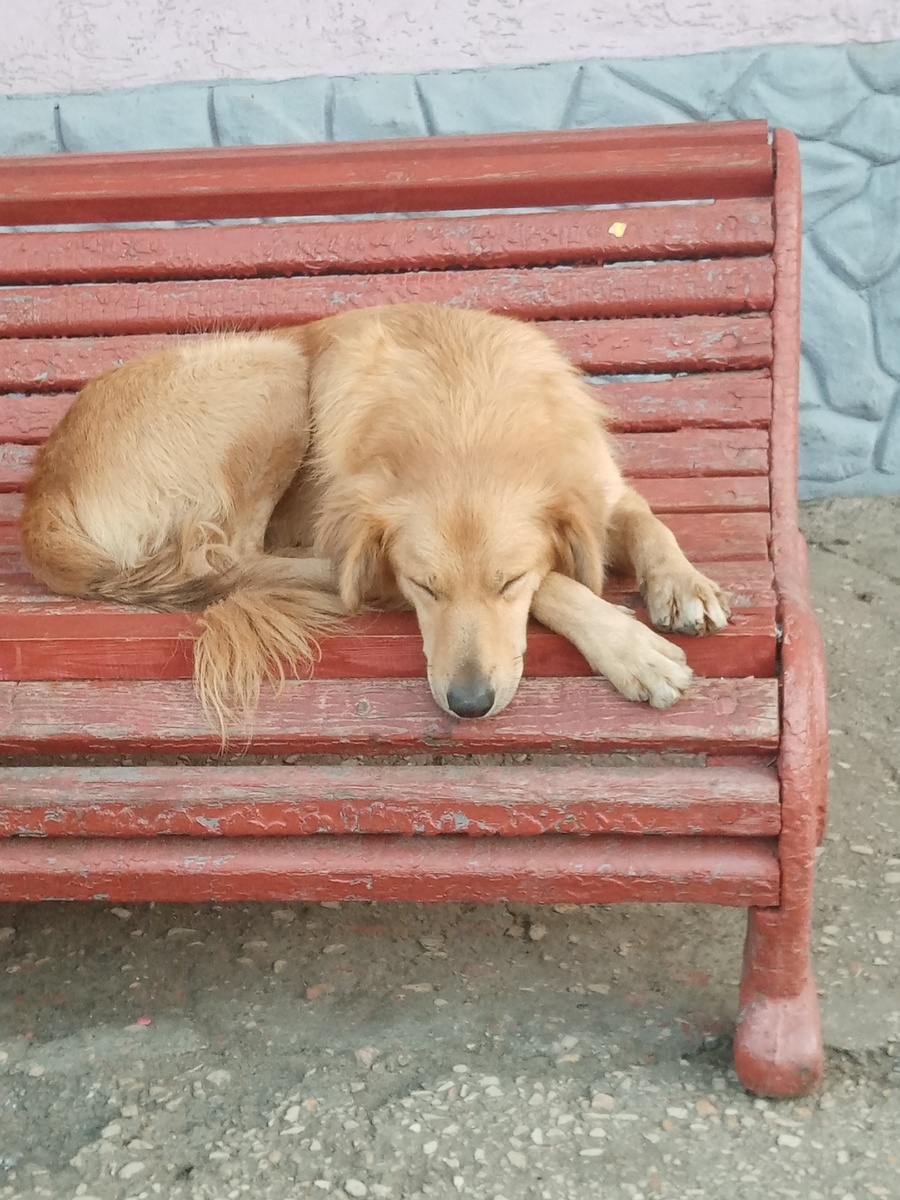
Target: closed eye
(424, 588)
(511, 583)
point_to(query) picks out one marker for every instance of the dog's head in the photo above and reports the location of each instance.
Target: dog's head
(468, 554)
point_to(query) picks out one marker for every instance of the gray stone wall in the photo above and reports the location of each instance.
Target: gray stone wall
(842, 101)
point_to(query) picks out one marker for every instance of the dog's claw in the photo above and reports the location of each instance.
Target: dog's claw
(687, 603)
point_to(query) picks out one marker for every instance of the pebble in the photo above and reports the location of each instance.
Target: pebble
(885, 936)
(7, 933)
(219, 1078)
(536, 932)
(112, 1130)
(355, 1187)
(429, 1148)
(366, 1055)
(284, 915)
(591, 1152)
(131, 1169)
(124, 914)
(517, 1158)
(677, 1112)
(890, 877)
(789, 1140)
(36, 1071)
(862, 850)
(292, 1116)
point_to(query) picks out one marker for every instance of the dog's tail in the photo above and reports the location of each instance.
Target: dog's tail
(260, 613)
(269, 619)
(189, 572)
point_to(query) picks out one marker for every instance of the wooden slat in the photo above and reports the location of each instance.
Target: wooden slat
(81, 640)
(691, 451)
(725, 227)
(722, 400)
(576, 293)
(707, 537)
(602, 347)
(547, 870)
(722, 494)
(750, 581)
(574, 167)
(478, 800)
(395, 716)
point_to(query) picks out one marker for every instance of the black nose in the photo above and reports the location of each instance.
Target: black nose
(470, 700)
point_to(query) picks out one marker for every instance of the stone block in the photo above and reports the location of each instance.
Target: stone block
(809, 89)
(860, 239)
(604, 97)
(698, 84)
(833, 446)
(377, 106)
(873, 129)
(259, 114)
(831, 177)
(498, 100)
(839, 341)
(28, 125)
(158, 118)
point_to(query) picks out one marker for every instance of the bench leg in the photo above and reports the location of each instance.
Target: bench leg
(778, 1045)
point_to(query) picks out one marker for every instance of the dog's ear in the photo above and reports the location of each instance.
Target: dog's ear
(577, 529)
(362, 564)
(352, 532)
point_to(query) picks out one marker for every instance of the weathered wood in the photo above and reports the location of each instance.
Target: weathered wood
(101, 641)
(370, 716)
(478, 800)
(723, 400)
(615, 346)
(683, 453)
(726, 227)
(778, 1046)
(715, 160)
(545, 870)
(535, 294)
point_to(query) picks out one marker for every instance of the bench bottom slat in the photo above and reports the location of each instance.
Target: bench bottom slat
(476, 800)
(548, 870)
(386, 716)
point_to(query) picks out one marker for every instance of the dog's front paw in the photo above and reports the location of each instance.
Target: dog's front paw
(686, 602)
(651, 669)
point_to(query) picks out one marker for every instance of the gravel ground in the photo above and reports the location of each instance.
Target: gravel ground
(504, 1052)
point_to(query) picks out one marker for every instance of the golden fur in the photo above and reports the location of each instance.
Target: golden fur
(444, 459)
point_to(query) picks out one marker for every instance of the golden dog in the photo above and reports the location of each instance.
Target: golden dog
(444, 459)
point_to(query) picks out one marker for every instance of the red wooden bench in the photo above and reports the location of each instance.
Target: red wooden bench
(666, 262)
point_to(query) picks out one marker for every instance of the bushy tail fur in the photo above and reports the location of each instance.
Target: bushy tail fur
(248, 636)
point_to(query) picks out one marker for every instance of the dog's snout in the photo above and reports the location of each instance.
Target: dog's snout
(473, 699)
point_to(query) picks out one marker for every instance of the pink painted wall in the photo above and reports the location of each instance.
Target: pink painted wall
(63, 45)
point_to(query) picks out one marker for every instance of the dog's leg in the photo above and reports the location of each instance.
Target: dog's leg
(679, 598)
(636, 661)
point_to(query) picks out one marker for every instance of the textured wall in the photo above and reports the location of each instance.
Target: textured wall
(74, 45)
(843, 102)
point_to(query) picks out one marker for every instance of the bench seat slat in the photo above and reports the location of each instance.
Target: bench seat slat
(725, 227)
(370, 716)
(722, 400)
(639, 344)
(709, 537)
(546, 870)
(96, 641)
(538, 294)
(480, 801)
(709, 452)
(407, 175)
